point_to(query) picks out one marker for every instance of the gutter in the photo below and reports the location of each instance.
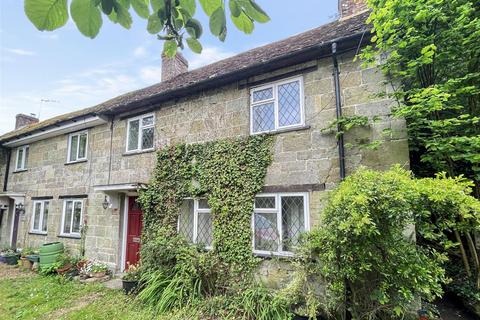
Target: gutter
(338, 108)
(7, 170)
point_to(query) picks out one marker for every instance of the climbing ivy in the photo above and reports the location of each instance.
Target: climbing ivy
(228, 173)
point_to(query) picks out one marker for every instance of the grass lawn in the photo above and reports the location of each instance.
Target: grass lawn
(30, 296)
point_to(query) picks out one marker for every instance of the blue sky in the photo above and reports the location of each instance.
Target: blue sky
(72, 72)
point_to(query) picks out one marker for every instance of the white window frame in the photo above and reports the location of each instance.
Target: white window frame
(140, 133)
(196, 211)
(23, 160)
(71, 234)
(274, 100)
(70, 137)
(42, 212)
(278, 211)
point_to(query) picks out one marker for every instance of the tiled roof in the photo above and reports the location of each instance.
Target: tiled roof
(254, 58)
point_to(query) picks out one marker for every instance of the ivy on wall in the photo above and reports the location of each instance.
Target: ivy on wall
(228, 173)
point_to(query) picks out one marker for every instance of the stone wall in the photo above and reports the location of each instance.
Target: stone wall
(306, 156)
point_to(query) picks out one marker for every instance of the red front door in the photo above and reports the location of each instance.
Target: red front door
(134, 231)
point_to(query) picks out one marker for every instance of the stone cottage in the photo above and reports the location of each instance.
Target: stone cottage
(74, 178)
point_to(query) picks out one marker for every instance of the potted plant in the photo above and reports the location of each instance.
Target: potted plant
(65, 263)
(98, 270)
(131, 278)
(25, 262)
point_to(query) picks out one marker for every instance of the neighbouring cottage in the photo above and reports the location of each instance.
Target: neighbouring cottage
(85, 168)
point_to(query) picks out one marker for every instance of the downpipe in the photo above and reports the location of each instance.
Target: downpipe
(338, 108)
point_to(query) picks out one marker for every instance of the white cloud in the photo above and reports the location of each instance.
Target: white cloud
(140, 52)
(20, 52)
(151, 74)
(208, 56)
(49, 36)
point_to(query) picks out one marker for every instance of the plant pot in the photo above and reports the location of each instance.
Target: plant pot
(64, 269)
(99, 274)
(26, 264)
(129, 286)
(12, 259)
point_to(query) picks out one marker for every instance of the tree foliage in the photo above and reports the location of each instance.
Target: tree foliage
(430, 52)
(172, 20)
(364, 246)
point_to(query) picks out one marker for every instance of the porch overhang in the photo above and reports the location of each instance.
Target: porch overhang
(120, 187)
(5, 197)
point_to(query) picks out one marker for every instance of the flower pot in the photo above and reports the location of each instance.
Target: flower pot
(129, 286)
(64, 269)
(12, 259)
(99, 274)
(26, 264)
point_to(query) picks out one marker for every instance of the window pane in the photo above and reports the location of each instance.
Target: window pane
(45, 216)
(265, 202)
(133, 135)
(77, 216)
(36, 216)
(263, 117)
(82, 147)
(67, 216)
(203, 204)
(25, 164)
(147, 121)
(266, 231)
(289, 104)
(73, 148)
(264, 94)
(185, 222)
(19, 158)
(147, 138)
(205, 229)
(293, 221)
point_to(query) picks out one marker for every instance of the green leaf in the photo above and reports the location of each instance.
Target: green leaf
(157, 4)
(189, 5)
(209, 6)
(235, 9)
(107, 6)
(218, 21)
(122, 16)
(254, 11)
(194, 45)
(47, 14)
(170, 48)
(243, 23)
(141, 8)
(154, 24)
(87, 17)
(194, 28)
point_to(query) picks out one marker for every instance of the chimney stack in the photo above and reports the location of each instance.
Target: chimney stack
(172, 67)
(347, 8)
(23, 120)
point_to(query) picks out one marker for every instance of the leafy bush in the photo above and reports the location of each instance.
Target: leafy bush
(363, 252)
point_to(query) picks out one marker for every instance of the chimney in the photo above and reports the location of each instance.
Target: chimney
(172, 67)
(23, 120)
(347, 8)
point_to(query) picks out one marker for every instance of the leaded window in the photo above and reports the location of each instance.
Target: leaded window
(140, 133)
(276, 106)
(40, 216)
(278, 222)
(77, 146)
(21, 161)
(195, 222)
(72, 217)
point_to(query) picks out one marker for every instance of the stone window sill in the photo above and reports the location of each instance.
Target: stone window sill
(133, 153)
(68, 236)
(274, 255)
(21, 170)
(75, 162)
(37, 233)
(299, 128)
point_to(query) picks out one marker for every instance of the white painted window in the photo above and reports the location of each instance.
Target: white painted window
(277, 222)
(72, 217)
(40, 216)
(278, 105)
(22, 158)
(77, 146)
(140, 133)
(195, 222)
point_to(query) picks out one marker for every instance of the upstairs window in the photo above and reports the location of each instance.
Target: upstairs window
(277, 106)
(195, 222)
(140, 132)
(22, 158)
(40, 216)
(72, 218)
(278, 221)
(77, 146)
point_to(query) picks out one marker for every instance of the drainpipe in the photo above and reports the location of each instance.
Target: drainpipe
(338, 104)
(7, 170)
